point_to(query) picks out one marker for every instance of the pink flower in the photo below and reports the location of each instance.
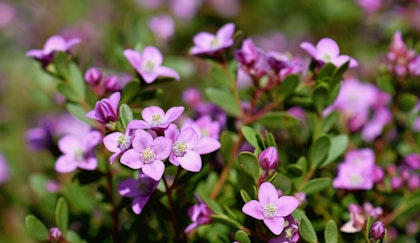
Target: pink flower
(326, 51)
(4, 170)
(147, 153)
(270, 208)
(54, 43)
(162, 26)
(118, 143)
(78, 152)
(207, 43)
(149, 64)
(106, 110)
(199, 213)
(155, 118)
(139, 189)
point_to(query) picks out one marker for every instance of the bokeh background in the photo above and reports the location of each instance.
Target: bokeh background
(362, 28)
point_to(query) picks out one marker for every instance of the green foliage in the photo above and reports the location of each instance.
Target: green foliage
(319, 151)
(306, 230)
(316, 185)
(62, 215)
(224, 99)
(35, 228)
(242, 237)
(331, 232)
(249, 163)
(278, 120)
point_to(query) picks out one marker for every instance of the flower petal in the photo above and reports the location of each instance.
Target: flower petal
(68, 144)
(131, 159)
(139, 203)
(189, 137)
(190, 161)
(267, 193)
(141, 140)
(134, 58)
(207, 145)
(138, 124)
(65, 164)
(203, 40)
(286, 205)
(162, 147)
(172, 132)
(154, 170)
(327, 46)
(55, 43)
(163, 71)
(308, 47)
(276, 224)
(173, 113)
(254, 209)
(149, 77)
(152, 54)
(111, 141)
(91, 139)
(225, 33)
(151, 111)
(90, 163)
(129, 188)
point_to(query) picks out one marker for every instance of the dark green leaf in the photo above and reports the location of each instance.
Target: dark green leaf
(225, 100)
(221, 218)
(288, 86)
(369, 223)
(316, 185)
(250, 135)
(327, 71)
(62, 215)
(330, 120)
(338, 73)
(77, 81)
(126, 115)
(386, 83)
(304, 102)
(213, 205)
(319, 151)
(61, 64)
(68, 92)
(334, 91)
(35, 228)
(245, 196)
(306, 230)
(320, 97)
(79, 112)
(227, 143)
(72, 237)
(294, 170)
(406, 102)
(242, 237)
(311, 119)
(278, 119)
(337, 148)
(130, 92)
(282, 182)
(218, 76)
(249, 163)
(331, 232)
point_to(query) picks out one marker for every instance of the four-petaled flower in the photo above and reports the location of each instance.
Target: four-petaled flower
(271, 208)
(118, 143)
(140, 190)
(155, 118)
(147, 153)
(207, 43)
(52, 45)
(149, 64)
(106, 110)
(77, 152)
(327, 51)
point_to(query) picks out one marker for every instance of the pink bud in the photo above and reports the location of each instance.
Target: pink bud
(377, 230)
(93, 76)
(55, 234)
(111, 84)
(268, 158)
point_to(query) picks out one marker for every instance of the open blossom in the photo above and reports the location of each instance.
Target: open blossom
(327, 51)
(118, 143)
(54, 43)
(208, 44)
(78, 152)
(271, 208)
(155, 118)
(139, 189)
(147, 153)
(359, 216)
(400, 60)
(199, 213)
(186, 147)
(162, 26)
(106, 110)
(149, 64)
(290, 233)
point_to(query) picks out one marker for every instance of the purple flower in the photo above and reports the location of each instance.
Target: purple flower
(377, 230)
(162, 26)
(55, 234)
(359, 216)
(155, 118)
(248, 54)
(149, 64)
(111, 84)
(139, 189)
(270, 208)
(54, 43)
(209, 44)
(78, 152)
(147, 153)
(413, 160)
(399, 59)
(199, 213)
(106, 110)
(93, 76)
(185, 9)
(204, 126)
(269, 159)
(118, 143)
(327, 51)
(4, 170)
(290, 233)
(370, 6)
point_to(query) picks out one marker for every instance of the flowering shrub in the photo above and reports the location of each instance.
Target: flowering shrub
(304, 144)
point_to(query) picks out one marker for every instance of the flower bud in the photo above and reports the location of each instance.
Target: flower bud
(111, 84)
(106, 110)
(268, 158)
(55, 234)
(93, 76)
(377, 230)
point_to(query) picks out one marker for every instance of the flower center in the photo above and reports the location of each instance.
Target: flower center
(214, 43)
(355, 179)
(157, 120)
(289, 233)
(124, 142)
(149, 66)
(145, 188)
(327, 58)
(179, 148)
(79, 155)
(147, 155)
(270, 211)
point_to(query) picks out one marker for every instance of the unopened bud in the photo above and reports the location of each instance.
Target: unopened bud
(377, 230)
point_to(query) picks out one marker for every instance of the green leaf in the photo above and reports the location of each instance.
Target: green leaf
(213, 205)
(225, 100)
(227, 143)
(319, 151)
(218, 76)
(278, 119)
(306, 230)
(221, 218)
(337, 148)
(62, 215)
(242, 237)
(245, 196)
(330, 120)
(406, 102)
(61, 64)
(250, 135)
(249, 163)
(79, 112)
(316, 185)
(68, 92)
(321, 96)
(294, 170)
(326, 71)
(130, 92)
(36, 229)
(77, 81)
(386, 83)
(369, 223)
(288, 86)
(331, 232)
(73, 237)
(126, 115)
(338, 73)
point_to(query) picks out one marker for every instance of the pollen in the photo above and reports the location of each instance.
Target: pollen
(157, 120)
(147, 156)
(179, 148)
(270, 211)
(124, 142)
